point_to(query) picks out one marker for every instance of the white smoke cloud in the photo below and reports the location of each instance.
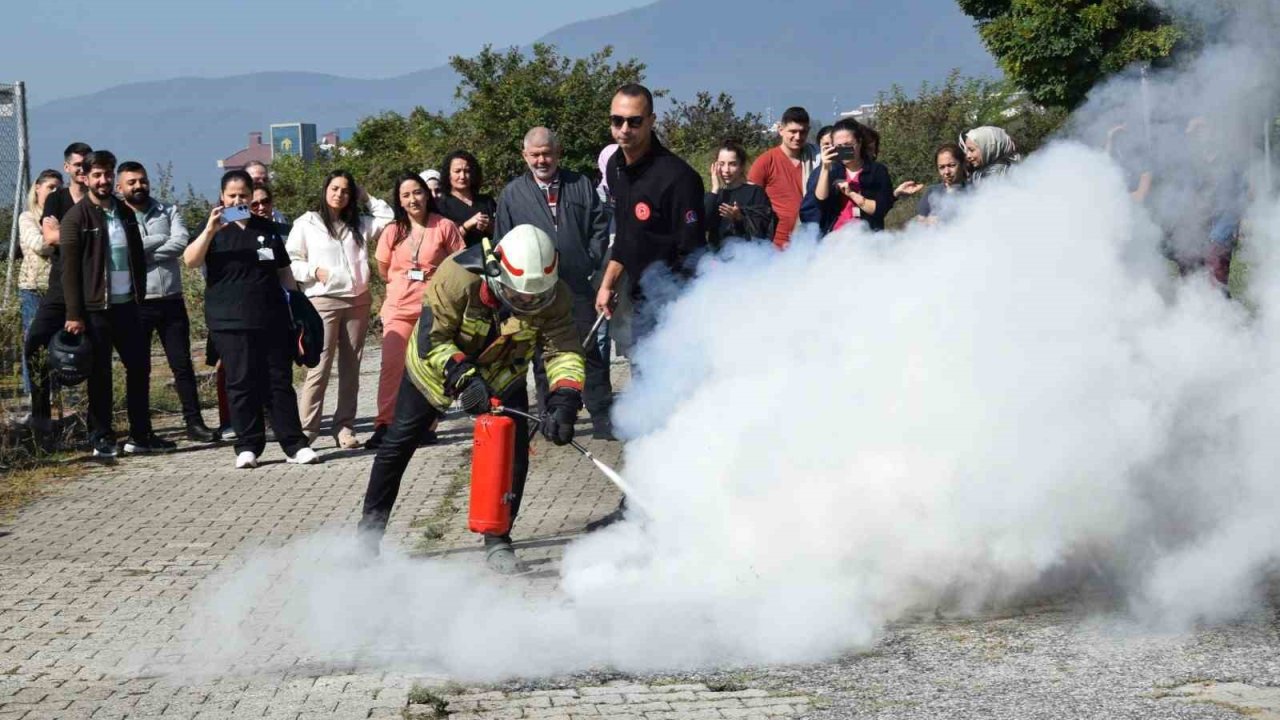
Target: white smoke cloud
(855, 429)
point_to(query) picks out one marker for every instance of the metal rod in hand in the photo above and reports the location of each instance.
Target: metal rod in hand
(591, 336)
(607, 471)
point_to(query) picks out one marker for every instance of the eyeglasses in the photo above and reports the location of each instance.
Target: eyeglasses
(634, 122)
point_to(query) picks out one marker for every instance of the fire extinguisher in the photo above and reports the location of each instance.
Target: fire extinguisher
(492, 456)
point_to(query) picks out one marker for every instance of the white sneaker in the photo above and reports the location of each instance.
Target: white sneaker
(305, 456)
(246, 460)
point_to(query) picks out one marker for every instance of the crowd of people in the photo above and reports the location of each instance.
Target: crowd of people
(479, 291)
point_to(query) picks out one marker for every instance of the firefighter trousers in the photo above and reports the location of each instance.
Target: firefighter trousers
(413, 416)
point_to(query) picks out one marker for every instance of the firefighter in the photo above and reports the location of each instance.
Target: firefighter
(484, 312)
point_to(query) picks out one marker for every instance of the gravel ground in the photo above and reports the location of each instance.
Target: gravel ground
(1047, 662)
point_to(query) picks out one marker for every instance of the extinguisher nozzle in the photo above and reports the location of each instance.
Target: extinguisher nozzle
(613, 475)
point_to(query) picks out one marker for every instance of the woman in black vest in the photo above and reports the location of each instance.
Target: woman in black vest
(247, 313)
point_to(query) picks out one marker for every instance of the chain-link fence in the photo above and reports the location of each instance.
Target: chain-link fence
(15, 177)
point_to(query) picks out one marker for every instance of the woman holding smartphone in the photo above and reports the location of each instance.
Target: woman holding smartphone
(260, 205)
(464, 204)
(248, 318)
(852, 188)
(329, 250)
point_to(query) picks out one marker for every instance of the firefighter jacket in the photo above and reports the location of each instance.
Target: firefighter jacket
(462, 321)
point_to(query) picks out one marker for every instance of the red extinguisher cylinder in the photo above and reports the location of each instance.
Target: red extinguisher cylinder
(492, 456)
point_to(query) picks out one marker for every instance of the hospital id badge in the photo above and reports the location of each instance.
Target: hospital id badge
(266, 253)
(417, 275)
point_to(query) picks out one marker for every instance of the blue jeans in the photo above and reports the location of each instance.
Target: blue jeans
(28, 302)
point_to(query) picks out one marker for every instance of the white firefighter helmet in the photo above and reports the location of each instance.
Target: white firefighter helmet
(528, 269)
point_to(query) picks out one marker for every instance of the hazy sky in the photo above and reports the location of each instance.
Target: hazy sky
(72, 47)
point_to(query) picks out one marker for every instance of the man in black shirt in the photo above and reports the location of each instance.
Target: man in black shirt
(51, 316)
(658, 202)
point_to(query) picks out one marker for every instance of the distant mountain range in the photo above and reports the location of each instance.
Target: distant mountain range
(769, 54)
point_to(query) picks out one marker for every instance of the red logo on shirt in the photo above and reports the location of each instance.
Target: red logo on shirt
(643, 211)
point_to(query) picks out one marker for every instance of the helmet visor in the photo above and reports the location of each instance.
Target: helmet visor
(525, 303)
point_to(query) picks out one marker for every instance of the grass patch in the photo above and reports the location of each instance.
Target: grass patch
(24, 481)
(725, 685)
(424, 704)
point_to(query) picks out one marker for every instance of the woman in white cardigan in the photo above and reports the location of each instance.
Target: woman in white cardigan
(329, 251)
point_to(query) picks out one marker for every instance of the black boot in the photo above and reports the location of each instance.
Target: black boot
(199, 432)
(602, 428)
(499, 555)
(369, 532)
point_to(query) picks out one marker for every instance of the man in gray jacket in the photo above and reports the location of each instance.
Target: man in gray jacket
(565, 205)
(164, 237)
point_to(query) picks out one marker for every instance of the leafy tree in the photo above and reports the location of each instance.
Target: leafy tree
(162, 186)
(703, 124)
(195, 210)
(386, 145)
(694, 130)
(500, 96)
(912, 127)
(1058, 49)
(295, 184)
(503, 94)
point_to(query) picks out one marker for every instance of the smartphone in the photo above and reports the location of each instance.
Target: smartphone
(845, 153)
(235, 212)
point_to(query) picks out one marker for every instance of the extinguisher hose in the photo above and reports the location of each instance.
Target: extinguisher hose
(604, 469)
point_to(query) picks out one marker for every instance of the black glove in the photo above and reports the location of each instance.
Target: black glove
(562, 410)
(458, 372)
(475, 395)
(462, 382)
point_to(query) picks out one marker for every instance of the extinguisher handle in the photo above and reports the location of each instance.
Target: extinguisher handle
(495, 406)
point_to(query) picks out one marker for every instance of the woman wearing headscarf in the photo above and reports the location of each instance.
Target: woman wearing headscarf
(990, 153)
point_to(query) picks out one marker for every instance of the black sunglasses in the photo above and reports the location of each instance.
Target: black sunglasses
(634, 122)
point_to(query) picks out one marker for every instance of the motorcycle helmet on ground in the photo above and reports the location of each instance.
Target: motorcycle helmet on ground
(527, 270)
(70, 358)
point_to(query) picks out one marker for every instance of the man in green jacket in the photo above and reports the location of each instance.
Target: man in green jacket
(485, 311)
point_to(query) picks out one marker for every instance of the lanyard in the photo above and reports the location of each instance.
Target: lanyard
(417, 248)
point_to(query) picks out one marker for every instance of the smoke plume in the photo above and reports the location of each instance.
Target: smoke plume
(953, 416)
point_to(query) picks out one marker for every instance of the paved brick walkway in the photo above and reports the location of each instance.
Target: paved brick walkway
(98, 580)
